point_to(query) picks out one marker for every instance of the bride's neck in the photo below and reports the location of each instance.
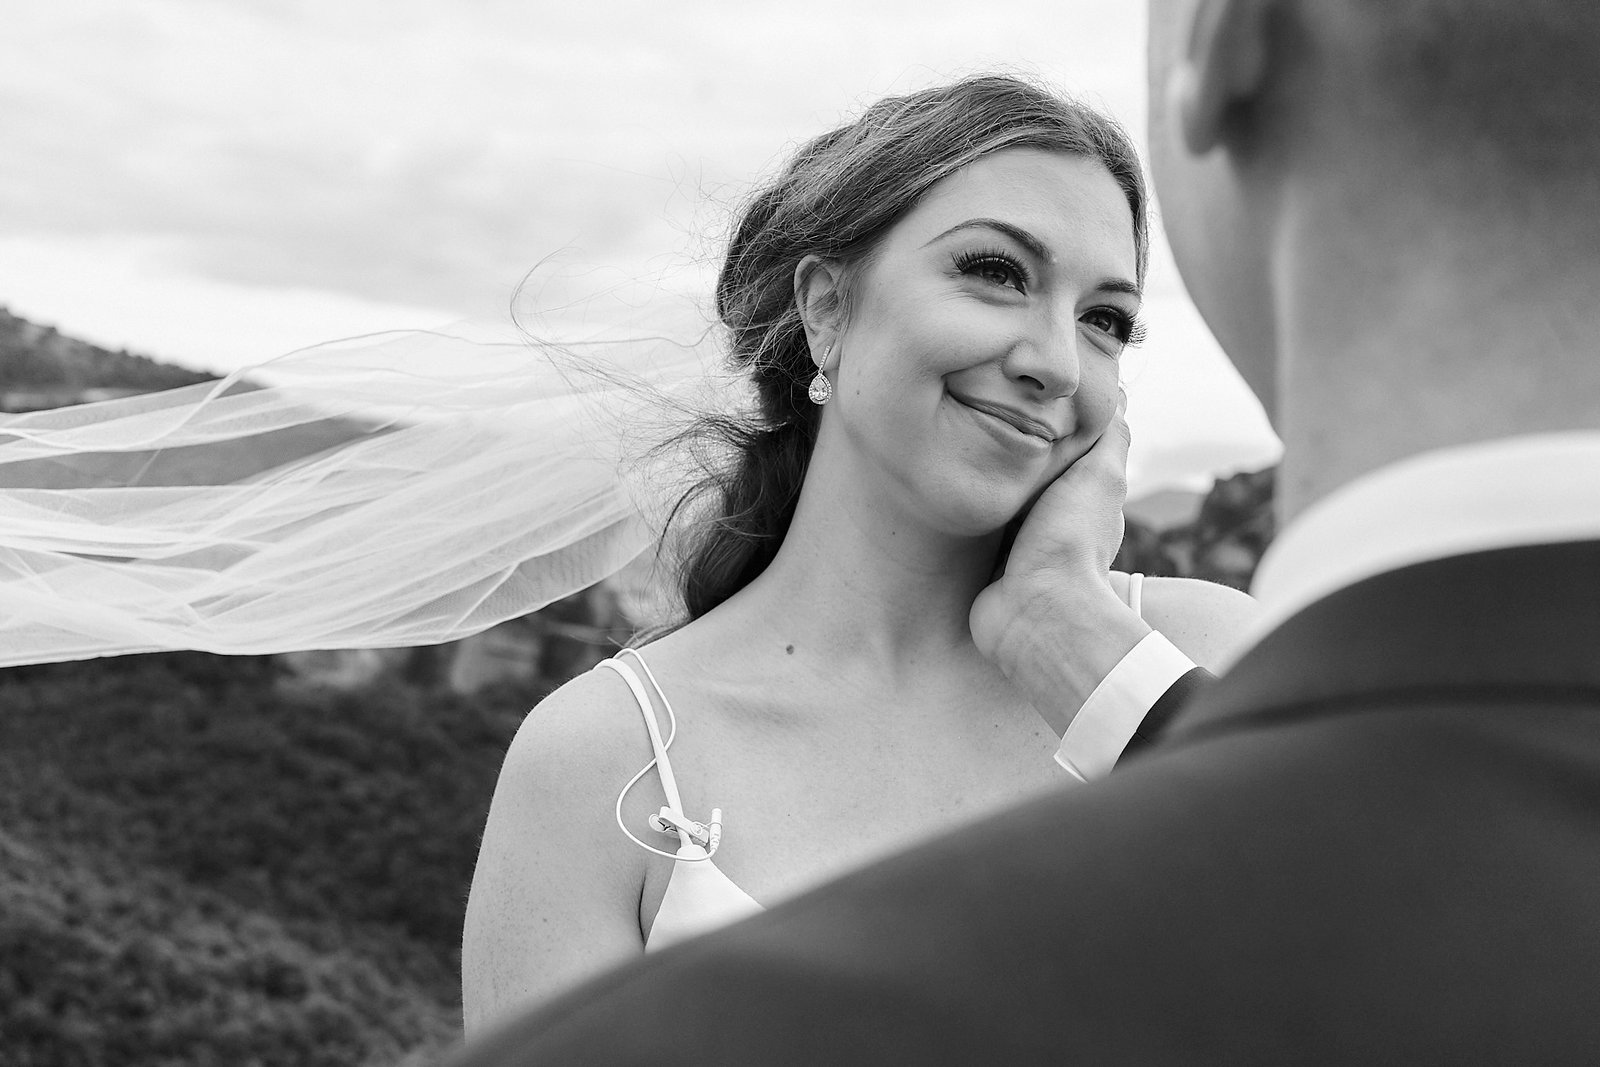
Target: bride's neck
(866, 581)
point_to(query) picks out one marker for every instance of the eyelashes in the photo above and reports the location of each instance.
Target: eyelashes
(994, 265)
(1126, 329)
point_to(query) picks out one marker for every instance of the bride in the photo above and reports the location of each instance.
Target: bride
(930, 302)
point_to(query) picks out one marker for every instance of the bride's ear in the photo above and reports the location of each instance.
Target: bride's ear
(819, 295)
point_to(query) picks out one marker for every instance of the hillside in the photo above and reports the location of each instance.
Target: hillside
(202, 865)
(1164, 507)
(38, 360)
(204, 860)
(1222, 543)
(42, 368)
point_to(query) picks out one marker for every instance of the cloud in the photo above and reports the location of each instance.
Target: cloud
(116, 292)
(419, 151)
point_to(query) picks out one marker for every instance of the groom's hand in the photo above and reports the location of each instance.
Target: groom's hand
(1051, 621)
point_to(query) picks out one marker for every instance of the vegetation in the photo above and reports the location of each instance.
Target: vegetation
(200, 864)
(37, 357)
(1223, 543)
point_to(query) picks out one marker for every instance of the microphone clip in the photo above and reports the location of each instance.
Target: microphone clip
(707, 836)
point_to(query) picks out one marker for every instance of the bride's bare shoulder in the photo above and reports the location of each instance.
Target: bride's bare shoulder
(594, 725)
(579, 738)
(1204, 619)
(556, 891)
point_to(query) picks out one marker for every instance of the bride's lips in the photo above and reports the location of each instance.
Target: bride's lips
(1018, 420)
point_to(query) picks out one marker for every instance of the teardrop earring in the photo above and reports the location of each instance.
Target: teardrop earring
(821, 389)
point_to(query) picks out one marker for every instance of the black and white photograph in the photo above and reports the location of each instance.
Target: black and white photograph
(851, 533)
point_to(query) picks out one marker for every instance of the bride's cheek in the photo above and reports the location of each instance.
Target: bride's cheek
(1097, 414)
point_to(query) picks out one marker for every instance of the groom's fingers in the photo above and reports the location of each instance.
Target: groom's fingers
(1112, 448)
(1119, 423)
(1077, 521)
(1100, 478)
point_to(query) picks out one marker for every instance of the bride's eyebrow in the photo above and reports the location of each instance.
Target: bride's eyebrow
(1120, 285)
(1016, 233)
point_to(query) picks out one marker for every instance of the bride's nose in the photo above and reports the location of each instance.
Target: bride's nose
(1046, 361)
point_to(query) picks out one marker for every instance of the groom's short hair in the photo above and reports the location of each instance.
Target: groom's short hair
(1509, 84)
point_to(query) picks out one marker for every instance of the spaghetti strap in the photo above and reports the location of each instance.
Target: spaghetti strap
(697, 841)
(669, 783)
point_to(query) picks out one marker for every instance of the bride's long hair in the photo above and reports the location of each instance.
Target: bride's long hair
(836, 198)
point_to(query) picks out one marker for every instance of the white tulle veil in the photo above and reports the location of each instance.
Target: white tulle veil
(395, 490)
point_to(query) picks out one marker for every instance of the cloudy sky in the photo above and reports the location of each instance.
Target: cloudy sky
(215, 182)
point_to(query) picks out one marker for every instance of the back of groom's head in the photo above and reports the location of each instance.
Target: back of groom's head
(1351, 188)
(1507, 87)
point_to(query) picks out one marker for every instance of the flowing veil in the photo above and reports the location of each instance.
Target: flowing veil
(395, 490)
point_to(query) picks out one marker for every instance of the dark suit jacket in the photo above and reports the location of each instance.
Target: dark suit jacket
(1376, 840)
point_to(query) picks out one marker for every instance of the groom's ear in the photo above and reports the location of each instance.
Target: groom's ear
(820, 294)
(1224, 65)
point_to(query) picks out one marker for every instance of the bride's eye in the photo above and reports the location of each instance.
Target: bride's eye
(995, 267)
(1121, 327)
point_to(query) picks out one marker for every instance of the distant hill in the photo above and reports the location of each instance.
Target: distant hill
(1165, 508)
(41, 367)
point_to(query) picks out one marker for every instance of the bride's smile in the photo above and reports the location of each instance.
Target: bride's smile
(1010, 425)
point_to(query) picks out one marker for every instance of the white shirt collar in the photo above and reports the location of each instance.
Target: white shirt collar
(1538, 489)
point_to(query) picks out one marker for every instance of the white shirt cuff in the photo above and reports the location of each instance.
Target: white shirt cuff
(1111, 716)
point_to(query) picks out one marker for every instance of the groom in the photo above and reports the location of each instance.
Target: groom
(1377, 837)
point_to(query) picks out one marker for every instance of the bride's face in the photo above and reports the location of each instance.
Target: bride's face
(980, 357)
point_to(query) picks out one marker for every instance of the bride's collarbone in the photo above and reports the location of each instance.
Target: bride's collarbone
(774, 748)
(761, 715)
(893, 716)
